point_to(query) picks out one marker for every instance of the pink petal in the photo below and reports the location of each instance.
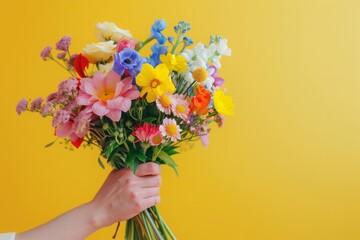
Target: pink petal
(119, 89)
(89, 88)
(115, 103)
(64, 130)
(121, 103)
(114, 115)
(133, 93)
(83, 99)
(100, 109)
(111, 80)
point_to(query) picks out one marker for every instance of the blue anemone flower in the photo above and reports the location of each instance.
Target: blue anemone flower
(128, 59)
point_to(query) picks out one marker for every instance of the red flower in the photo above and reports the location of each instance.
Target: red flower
(80, 63)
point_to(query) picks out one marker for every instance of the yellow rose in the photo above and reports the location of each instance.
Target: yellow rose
(99, 52)
(109, 31)
(223, 104)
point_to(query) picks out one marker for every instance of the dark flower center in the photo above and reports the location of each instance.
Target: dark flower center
(127, 61)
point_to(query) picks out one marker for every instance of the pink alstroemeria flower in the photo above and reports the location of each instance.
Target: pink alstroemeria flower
(107, 96)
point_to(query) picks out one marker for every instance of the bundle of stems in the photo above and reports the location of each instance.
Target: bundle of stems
(148, 225)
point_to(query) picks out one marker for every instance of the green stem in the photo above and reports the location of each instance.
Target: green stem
(152, 224)
(144, 43)
(162, 228)
(143, 218)
(52, 58)
(168, 229)
(177, 43)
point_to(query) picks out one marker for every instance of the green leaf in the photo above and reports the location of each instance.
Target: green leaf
(134, 165)
(149, 119)
(100, 163)
(49, 144)
(141, 156)
(168, 161)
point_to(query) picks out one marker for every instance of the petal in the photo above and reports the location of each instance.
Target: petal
(114, 115)
(100, 108)
(161, 72)
(151, 96)
(111, 80)
(146, 75)
(119, 103)
(119, 88)
(64, 130)
(83, 99)
(133, 93)
(76, 141)
(89, 88)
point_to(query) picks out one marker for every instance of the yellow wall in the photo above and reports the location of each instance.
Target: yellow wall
(285, 167)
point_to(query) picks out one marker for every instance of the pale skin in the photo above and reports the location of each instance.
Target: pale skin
(122, 196)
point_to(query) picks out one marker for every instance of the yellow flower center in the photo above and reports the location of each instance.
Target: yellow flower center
(171, 129)
(180, 109)
(154, 83)
(106, 95)
(157, 139)
(165, 101)
(200, 74)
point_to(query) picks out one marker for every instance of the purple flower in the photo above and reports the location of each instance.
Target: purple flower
(45, 53)
(82, 123)
(61, 55)
(46, 108)
(61, 117)
(157, 50)
(218, 81)
(22, 106)
(51, 97)
(36, 104)
(67, 86)
(64, 43)
(156, 30)
(70, 62)
(128, 59)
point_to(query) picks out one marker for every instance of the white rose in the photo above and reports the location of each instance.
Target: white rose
(99, 52)
(109, 31)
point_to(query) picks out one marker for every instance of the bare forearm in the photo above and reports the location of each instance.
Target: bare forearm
(75, 224)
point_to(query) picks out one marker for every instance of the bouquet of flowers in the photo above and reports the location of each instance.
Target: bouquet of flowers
(136, 108)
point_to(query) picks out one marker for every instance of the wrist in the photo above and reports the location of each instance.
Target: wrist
(93, 220)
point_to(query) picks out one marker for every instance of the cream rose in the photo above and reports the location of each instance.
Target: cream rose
(99, 52)
(109, 31)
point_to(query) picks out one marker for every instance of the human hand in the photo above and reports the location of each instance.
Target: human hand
(125, 194)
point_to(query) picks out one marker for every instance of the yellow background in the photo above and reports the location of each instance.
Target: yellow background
(285, 167)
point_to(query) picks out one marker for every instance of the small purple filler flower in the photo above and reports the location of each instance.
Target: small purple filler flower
(22, 106)
(45, 53)
(36, 104)
(64, 43)
(61, 117)
(61, 55)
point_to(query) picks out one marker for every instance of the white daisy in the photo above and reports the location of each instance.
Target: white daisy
(170, 129)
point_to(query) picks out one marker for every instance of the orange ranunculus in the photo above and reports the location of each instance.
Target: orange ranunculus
(201, 90)
(200, 101)
(199, 104)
